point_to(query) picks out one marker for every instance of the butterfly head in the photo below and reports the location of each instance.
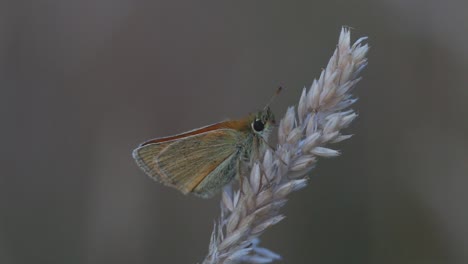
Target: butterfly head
(263, 122)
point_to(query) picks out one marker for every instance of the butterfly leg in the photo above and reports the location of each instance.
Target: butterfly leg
(240, 175)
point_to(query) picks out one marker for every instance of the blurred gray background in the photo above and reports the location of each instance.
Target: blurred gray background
(84, 82)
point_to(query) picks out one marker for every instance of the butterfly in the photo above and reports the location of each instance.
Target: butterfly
(203, 160)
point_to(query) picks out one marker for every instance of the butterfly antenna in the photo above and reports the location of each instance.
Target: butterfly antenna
(273, 97)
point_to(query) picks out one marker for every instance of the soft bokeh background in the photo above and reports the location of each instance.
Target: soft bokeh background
(83, 82)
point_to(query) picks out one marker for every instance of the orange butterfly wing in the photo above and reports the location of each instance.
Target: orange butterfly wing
(183, 161)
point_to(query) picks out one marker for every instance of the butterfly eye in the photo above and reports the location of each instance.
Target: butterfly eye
(258, 125)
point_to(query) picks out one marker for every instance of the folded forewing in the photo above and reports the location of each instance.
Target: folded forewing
(185, 162)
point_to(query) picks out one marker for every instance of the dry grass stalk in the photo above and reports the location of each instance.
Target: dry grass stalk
(303, 136)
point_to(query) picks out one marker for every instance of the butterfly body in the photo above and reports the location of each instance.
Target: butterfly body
(203, 160)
